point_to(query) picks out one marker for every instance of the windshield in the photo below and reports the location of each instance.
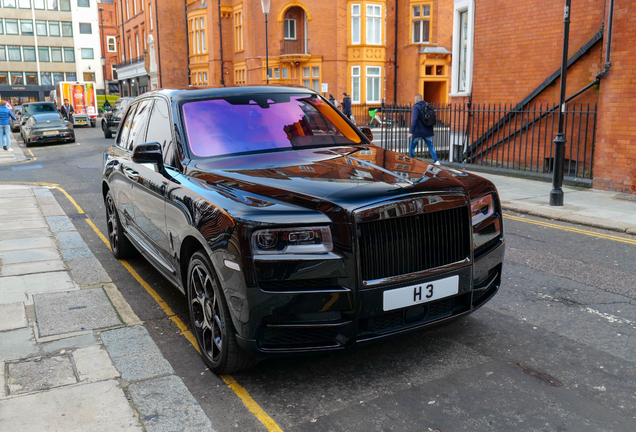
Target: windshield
(39, 109)
(121, 104)
(251, 123)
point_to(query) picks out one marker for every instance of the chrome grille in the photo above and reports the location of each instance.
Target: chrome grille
(403, 245)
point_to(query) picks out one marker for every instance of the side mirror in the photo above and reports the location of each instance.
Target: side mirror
(149, 152)
(367, 133)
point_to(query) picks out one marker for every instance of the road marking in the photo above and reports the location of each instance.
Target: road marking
(574, 230)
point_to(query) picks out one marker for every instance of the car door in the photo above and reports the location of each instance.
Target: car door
(123, 175)
(149, 191)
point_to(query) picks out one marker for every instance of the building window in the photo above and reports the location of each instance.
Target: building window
(276, 73)
(127, 10)
(87, 53)
(14, 53)
(129, 48)
(143, 37)
(197, 35)
(462, 63)
(65, 5)
(56, 55)
(9, 3)
(58, 77)
(4, 78)
(202, 32)
(31, 78)
(283, 72)
(69, 55)
(1, 27)
(3, 53)
(315, 81)
(67, 29)
(150, 14)
(12, 26)
(88, 76)
(28, 52)
(40, 28)
(17, 78)
(26, 27)
(24, 4)
(136, 42)
(238, 29)
(355, 84)
(54, 29)
(374, 24)
(51, 5)
(85, 28)
(421, 23)
(38, 4)
(83, 3)
(373, 84)
(111, 44)
(290, 29)
(71, 76)
(134, 7)
(355, 24)
(239, 76)
(43, 54)
(45, 78)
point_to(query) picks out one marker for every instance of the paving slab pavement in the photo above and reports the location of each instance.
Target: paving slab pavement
(73, 354)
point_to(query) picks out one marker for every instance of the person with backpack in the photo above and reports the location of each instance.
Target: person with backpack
(424, 119)
(346, 107)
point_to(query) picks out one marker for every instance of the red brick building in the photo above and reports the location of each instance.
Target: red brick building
(151, 45)
(108, 36)
(505, 51)
(353, 46)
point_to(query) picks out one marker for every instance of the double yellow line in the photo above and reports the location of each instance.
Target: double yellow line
(574, 230)
(245, 397)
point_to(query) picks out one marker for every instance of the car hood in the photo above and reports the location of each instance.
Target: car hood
(349, 177)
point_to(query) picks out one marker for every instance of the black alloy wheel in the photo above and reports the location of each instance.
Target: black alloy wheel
(119, 243)
(211, 319)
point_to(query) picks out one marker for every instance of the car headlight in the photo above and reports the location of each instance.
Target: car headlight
(482, 208)
(304, 240)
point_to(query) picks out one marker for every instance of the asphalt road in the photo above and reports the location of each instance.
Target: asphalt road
(555, 350)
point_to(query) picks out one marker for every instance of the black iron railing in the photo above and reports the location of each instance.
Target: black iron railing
(136, 60)
(499, 136)
(293, 46)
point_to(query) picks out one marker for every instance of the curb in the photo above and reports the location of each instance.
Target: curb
(562, 216)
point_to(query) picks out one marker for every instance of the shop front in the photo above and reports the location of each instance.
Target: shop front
(17, 95)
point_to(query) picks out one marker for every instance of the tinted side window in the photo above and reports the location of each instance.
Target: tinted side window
(125, 126)
(160, 130)
(138, 130)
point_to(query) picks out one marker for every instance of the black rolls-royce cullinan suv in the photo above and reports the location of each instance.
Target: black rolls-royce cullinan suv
(287, 229)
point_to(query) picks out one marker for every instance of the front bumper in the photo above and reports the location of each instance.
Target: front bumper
(332, 318)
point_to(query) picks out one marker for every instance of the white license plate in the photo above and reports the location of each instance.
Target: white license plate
(50, 133)
(80, 122)
(420, 293)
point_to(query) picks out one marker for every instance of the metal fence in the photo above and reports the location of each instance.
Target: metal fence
(494, 135)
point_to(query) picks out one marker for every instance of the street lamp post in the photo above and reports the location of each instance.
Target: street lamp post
(556, 194)
(266, 4)
(101, 39)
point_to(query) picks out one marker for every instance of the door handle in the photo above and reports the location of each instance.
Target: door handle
(131, 174)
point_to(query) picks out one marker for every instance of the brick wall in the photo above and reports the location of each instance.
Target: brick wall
(173, 37)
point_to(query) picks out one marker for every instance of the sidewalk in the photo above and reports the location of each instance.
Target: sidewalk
(73, 354)
(17, 155)
(591, 207)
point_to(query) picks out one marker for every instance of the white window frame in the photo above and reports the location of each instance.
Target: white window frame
(288, 28)
(372, 38)
(463, 6)
(355, 36)
(355, 76)
(379, 77)
(150, 16)
(421, 18)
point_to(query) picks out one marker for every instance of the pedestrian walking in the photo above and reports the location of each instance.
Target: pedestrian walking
(346, 107)
(422, 127)
(5, 126)
(333, 100)
(67, 111)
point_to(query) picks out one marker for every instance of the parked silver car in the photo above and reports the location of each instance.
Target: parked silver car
(40, 128)
(15, 124)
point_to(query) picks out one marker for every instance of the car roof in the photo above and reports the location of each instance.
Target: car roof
(197, 93)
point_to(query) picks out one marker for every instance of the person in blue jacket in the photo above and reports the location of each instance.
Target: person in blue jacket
(418, 131)
(5, 126)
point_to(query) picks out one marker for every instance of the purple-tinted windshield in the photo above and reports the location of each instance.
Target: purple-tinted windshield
(262, 122)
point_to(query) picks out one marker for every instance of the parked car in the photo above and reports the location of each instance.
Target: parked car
(110, 120)
(42, 128)
(31, 108)
(287, 229)
(15, 124)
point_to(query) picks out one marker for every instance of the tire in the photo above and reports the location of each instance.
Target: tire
(106, 129)
(93, 124)
(211, 320)
(119, 243)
